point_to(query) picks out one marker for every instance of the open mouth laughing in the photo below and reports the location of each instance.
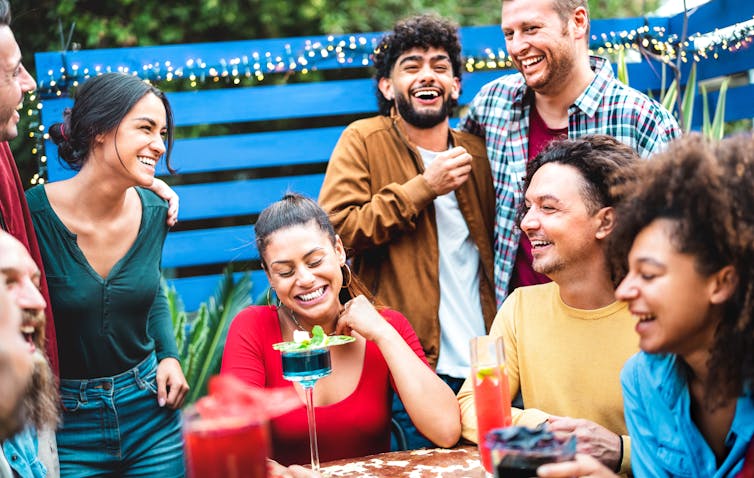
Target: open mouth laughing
(315, 294)
(529, 62)
(146, 160)
(426, 94)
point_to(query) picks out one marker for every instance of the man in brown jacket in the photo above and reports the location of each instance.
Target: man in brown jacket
(413, 201)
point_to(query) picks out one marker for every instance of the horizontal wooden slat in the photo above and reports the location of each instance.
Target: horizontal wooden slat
(209, 246)
(195, 290)
(237, 198)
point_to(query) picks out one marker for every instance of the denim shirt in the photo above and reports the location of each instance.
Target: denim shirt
(665, 442)
(21, 451)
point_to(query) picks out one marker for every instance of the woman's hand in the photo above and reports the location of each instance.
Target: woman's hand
(171, 384)
(583, 466)
(160, 188)
(360, 315)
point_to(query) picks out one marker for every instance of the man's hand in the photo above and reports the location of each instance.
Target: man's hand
(592, 439)
(171, 384)
(160, 188)
(448, 170)
(583, 466)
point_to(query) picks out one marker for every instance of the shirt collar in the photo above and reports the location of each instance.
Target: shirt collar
(591, 98)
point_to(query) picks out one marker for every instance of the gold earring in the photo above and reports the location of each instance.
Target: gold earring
(346, 272)
(269, 295)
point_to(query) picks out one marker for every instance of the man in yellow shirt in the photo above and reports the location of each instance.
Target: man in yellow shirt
(566, 341)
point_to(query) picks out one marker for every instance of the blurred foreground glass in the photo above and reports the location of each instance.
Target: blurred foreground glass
(491, 394)
(225, 433)
(517, 452)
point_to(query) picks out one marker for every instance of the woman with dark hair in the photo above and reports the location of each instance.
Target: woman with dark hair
(101, 235)
(306, 266)
(689, 223)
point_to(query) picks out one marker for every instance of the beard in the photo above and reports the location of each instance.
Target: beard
(41, 401)
(8, 131)
(12, 409)
(422, 120)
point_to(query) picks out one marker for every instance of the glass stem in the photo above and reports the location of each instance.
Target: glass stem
(309, 390)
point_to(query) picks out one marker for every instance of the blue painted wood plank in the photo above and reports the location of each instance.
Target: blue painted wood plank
(236, 198)
(195, 290)
(239, 55)
(713, 15)
(209, 246)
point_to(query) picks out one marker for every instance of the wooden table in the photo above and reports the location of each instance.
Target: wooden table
(460, 462)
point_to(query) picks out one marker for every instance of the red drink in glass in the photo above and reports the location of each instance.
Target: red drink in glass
(226, 448)
(492, 399)
(493, 406)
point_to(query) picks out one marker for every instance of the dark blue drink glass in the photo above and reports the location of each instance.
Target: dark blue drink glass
(306, 367)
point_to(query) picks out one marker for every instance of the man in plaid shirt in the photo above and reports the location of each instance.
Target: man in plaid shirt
(560, 90)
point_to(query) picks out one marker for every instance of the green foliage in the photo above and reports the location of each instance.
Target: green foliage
(200, 336)
(714, 129)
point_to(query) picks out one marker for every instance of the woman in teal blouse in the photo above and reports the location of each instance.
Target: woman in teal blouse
(101, 237)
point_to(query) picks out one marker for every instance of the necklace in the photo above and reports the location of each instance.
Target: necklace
(297, 323)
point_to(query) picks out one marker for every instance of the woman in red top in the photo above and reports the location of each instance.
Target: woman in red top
(305, 262)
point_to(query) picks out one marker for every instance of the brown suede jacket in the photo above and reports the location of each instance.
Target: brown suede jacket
(381, 206)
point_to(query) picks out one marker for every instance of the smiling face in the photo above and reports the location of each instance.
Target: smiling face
(303, 266)
(564, 233)
(672, 301)
(423, 86)
(138, 142)
(14, 82)
(540, 44)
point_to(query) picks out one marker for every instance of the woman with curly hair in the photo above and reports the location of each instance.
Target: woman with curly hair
(688, 396)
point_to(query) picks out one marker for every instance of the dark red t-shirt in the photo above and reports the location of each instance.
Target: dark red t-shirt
(539, 136)
(16, 220)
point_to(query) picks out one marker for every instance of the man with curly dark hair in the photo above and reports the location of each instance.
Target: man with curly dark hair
(566, 341)
(413, 201)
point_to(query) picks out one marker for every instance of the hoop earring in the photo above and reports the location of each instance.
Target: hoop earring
(269, 296)
(346, 272)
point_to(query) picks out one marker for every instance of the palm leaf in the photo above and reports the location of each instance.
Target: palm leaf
(687, 104)
(706, 126)
(228, 300)
(718, 122)
(622, 67)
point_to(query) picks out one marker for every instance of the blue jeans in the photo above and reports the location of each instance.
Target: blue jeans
(414, 439)
(113, 427)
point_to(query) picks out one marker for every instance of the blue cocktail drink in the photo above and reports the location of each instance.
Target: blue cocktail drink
(306, 366)
(305, 361)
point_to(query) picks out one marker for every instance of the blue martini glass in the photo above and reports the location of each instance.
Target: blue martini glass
(306, 367)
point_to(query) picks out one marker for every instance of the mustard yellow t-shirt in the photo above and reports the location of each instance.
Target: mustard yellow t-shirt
(564, 361)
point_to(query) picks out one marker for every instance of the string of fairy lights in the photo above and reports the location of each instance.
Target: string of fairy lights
(355, 51)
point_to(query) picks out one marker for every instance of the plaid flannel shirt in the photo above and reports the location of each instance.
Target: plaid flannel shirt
(500, 114)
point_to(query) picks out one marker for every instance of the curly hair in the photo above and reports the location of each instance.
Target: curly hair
(421, 31)
(705, 190)
(602, 161)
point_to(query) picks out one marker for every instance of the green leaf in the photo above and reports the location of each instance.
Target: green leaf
(318, 335)
(687, 104)
(718, 122)
(622, 67)
(229, 299)
(670, 96)
(706, 126)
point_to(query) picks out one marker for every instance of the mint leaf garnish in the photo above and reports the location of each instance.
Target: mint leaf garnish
(318, 336)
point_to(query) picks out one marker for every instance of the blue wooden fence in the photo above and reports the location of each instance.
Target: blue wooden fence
(226, 180)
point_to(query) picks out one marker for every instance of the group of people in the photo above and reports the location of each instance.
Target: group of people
(620, 285)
